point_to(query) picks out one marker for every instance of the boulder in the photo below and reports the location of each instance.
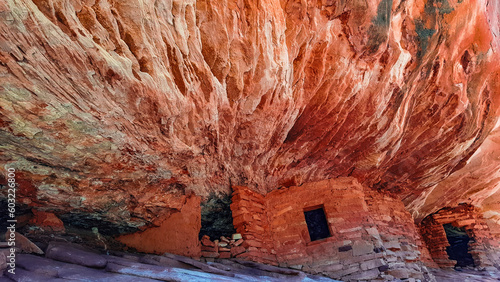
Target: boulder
(74, 254)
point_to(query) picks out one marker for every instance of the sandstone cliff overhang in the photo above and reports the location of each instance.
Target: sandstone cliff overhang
(113, 110)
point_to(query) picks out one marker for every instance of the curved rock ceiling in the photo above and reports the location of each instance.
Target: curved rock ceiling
(118, 108)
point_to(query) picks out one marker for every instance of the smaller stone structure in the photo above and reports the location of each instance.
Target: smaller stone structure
(483, 247)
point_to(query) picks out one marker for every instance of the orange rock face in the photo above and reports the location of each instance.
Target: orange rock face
(114, 109)
(47, 220)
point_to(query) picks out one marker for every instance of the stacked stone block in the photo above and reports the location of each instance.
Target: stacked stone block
(251, 221)
(222, 248)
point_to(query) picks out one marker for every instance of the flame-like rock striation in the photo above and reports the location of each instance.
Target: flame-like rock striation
(118, 109)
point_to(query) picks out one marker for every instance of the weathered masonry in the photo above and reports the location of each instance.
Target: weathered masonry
(336, 227)
(482, 247)
(353, 233)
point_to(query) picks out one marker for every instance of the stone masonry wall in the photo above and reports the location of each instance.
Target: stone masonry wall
(372, 236)
(483, 247)
(251, 221)
(404, 247)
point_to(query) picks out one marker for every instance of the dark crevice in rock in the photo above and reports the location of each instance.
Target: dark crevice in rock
(216, 217)
(88, 221)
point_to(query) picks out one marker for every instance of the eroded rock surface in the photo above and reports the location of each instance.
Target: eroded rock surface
(126, 267)
(114, 110)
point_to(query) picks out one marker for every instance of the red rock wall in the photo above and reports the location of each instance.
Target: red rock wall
(484, 246)
(372, 235)
(46, 221)
(177, 233)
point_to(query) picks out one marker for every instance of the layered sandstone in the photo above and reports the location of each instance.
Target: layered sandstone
(112, 110)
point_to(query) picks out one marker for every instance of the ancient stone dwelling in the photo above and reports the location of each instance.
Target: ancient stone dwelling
(361, 234)
(232, 140)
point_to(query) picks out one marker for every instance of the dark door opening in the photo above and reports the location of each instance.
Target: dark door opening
(459, 245)
(317, 224)
(217, 217)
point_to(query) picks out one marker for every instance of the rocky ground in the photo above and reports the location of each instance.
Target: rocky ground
(67, 261)
(63, 261)
(450, 275)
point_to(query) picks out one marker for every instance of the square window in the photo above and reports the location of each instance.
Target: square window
(317, 224)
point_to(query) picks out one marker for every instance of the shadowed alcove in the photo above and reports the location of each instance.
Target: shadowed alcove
(459, 245)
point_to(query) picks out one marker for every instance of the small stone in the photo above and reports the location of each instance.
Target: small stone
(399, 273)
(345, 248)
(237, 250)
(332, 267)
(216, 246)
(392, 245)
(361, 248)
(349, 270)
(411, 258)
(209, 254)
(239, 242)
(207, 248)
(222, 244)
(371, 264)
(237, 236)
(355, 229)
(373, 232)
(383, 268)
(363, 275)
(207, 242)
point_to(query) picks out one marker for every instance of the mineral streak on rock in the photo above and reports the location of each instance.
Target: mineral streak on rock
(115, 109)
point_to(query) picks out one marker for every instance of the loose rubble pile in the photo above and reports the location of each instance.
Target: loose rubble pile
(223, 248)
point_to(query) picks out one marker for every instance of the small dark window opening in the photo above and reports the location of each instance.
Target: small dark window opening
(459, 245)
(317, 224)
